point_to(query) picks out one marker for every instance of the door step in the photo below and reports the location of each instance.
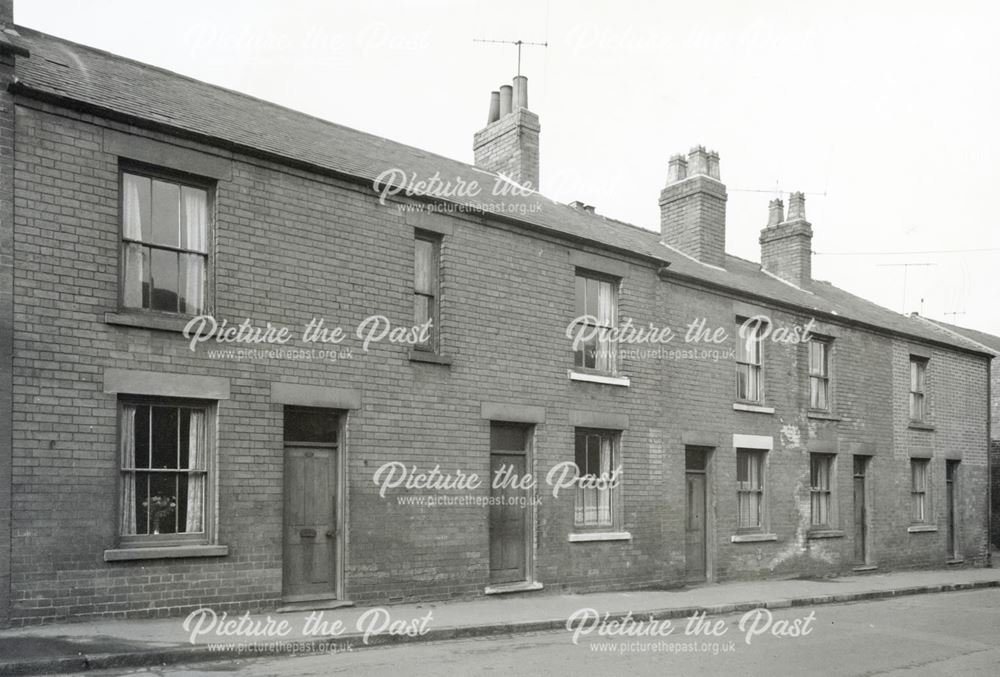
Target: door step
(313, 605)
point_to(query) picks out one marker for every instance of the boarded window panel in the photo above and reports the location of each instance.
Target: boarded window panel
(508, 437)
(310, 425)
(423, 267)
(163, 280)
(166, 213)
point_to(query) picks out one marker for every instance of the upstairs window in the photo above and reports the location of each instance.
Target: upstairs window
(918, 385)
(819, 374)
(426, 286)
(597, 312)
(749, 363)
(164, 244)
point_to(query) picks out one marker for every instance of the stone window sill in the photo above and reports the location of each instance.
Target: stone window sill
(585, 537)
(754, 408)
(822, 415)
(918, 425)
(825, 533)
(165, 552)
(921, 528)
(606, 379)
(429, 357)
(753, 538)
(521, 586)
(148, 321)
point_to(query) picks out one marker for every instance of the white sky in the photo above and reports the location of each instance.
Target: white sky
(886, 113)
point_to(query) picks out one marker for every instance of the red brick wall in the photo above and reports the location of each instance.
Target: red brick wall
(292, 246)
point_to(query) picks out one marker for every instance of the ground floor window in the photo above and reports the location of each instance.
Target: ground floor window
(820, 489)
(165, 449)
(918, 490)
(750, 488)
(598, 491)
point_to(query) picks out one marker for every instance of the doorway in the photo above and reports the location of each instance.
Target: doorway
(951, 485)
(696, 518)
(510, 510)
(312, 517)
(862, 545)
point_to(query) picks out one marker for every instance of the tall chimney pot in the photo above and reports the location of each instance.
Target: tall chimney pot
(776, 212)
(520, 92)
(494, 114)
(506, 96)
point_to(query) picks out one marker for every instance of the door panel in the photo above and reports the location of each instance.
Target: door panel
(508, 523)
(310, 521)
(695, 527)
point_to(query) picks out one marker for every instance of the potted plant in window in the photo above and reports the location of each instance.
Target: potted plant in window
(160, 508)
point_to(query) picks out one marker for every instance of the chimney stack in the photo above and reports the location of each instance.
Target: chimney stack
(786, 243)
(693, 207)
(508, 144)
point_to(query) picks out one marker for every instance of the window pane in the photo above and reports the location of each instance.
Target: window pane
(194, 219)
(593, 455)
(592, 296)
(423, 267)
(742, 466)
(135, 275)
(136, 205)
(581, 453)
(166, 213)
(141, 437)
(142, 503)
(163, 279)
(183, 437)
(192, 283)
(162, 504)
(742, 382)
(581, 296)
(421, 308)
(165, 428)
(605, 304)
(310, 425)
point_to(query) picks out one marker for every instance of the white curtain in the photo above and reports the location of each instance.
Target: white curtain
(196, 479)
(605, 318)
(128, 472)
(134, 272)
(194, 236)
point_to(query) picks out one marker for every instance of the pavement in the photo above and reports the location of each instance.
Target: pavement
(111, 644)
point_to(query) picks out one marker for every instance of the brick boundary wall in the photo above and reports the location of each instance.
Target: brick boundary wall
(995, 493)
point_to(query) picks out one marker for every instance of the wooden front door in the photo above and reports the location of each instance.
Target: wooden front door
(509, 516)
(860, 510)
(310, 522)
(696, 519)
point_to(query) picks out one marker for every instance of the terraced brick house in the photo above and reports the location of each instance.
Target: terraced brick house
(151, 465)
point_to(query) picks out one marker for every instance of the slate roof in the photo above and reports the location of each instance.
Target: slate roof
(986, 341)
(73, 74)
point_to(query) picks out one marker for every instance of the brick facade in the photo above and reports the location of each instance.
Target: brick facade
(292, 244)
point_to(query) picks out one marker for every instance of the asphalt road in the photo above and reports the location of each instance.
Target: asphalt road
(935, 634)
